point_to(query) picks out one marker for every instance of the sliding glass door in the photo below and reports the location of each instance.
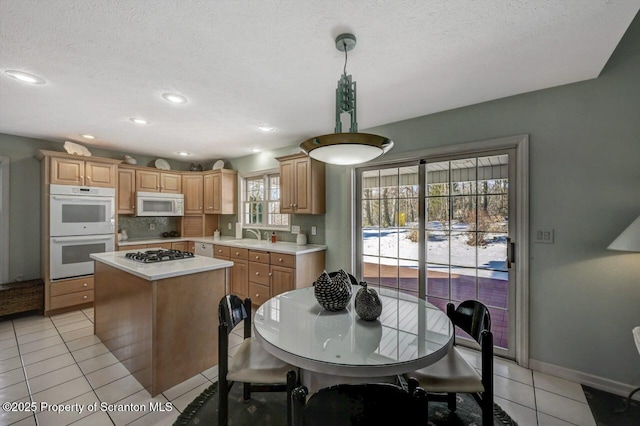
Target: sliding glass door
(440, 229)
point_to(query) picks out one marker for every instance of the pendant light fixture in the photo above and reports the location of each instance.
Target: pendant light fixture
(352, 147)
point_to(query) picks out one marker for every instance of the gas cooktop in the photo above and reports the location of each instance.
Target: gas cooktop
(153, 256)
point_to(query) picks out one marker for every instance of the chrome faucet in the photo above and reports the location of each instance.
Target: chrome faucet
(255, 233)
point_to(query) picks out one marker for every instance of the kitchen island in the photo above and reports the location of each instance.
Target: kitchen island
(160, 320)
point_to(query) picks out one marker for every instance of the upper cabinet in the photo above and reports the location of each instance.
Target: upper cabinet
(220, 191)
(302, 185)
(126, 191)
(193, 195)
(150, 181)
(73, 171)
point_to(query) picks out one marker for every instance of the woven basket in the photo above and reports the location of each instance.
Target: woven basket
(21, 297)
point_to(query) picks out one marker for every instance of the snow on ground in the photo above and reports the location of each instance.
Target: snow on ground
(395, 248)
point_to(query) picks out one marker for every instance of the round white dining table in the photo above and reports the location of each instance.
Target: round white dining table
(410, 334)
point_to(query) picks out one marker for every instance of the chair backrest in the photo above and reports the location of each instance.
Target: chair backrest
(232, 311)
(353, 279)
(471, 316)
(360, 404)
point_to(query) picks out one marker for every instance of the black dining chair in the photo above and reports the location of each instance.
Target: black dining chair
(257, 369)
(453, 373)
(361, 404)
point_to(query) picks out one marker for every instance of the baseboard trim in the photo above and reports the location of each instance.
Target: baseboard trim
(597, 382)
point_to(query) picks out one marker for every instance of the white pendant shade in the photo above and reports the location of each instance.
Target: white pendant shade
(629, 240)
(346, 153)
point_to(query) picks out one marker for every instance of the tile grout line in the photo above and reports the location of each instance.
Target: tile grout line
(24, 373)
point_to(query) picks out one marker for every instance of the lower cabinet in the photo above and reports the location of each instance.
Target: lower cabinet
(239, 275)
(282, 279)
(261, 275)
(239, 278)
(73, 292)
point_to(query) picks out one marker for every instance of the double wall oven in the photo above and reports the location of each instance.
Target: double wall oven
(81, 222)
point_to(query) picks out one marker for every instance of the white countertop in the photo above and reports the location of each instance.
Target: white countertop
(160, 270)
(249, 243)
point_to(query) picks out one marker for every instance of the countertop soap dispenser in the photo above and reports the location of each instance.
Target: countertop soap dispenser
(273, 237)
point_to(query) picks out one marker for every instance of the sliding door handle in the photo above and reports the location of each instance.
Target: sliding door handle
(511, 252)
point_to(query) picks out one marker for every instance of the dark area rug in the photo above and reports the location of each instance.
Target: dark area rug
(269, 408)
(603, 405)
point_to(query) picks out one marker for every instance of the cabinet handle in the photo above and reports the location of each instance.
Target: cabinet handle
(257, 257)
(290, 205)
(133, 207)
(237, 253)
(270, 273)
(81, 177)
(295, 205)
(257, 294)
(85, 285)
(279, 259)
(219, 251)
(84, 297)
(257, 273)
(88, 177)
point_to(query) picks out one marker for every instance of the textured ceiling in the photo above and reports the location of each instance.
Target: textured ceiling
(246, 63)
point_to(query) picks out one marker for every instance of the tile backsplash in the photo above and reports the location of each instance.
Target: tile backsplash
(304, 221)
(138, 227)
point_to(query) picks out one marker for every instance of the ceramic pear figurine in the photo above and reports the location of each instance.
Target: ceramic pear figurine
(367, 303)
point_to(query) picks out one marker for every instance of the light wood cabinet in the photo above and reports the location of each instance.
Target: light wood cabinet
(126, 191)
(192, 186)
(72, 171)
(61, 168)
(302, 185)
(220, 191)
(282, 279)
(152, 181)
(67, 293)
(182, 246)
(260, 274)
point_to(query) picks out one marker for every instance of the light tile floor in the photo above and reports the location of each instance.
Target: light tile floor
(58, 360)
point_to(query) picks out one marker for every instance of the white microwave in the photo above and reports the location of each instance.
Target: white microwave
(159, 204)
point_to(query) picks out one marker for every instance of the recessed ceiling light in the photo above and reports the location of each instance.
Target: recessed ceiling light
(25, 77)
(255, 149)
(174, 98)
(266, 128)
(183, 153)
(88, 136)
(138, 120)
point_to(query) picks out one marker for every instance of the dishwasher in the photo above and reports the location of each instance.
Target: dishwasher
(204, 249)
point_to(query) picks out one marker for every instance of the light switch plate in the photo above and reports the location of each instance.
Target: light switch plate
(152, 227)
(544, 236)
(295, 229)
(314, 230)
(229, 226)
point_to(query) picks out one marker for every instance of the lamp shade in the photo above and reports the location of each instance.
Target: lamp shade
(629, 240)
(346, 148)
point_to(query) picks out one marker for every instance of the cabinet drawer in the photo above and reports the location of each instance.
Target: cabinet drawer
(71, 286)
(286, 260)
(259, 273)
(239, 253)
(71, 299)
(258, 293)
(259, 256)
(221, 251)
